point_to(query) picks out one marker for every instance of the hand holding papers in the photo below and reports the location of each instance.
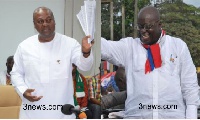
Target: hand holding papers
(86, 17)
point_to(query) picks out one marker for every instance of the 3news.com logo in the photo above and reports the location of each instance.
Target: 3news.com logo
(141, 106)
(41, 107)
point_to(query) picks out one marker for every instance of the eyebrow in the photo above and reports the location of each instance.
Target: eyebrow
(45, 18)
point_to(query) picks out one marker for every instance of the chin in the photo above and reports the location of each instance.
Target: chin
(47, 35)
(145, 42)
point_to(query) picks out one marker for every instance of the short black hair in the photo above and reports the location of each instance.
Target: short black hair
(10, 58)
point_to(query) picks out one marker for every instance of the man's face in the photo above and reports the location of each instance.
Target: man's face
(9, 64)
(44, 23)
(149, 30)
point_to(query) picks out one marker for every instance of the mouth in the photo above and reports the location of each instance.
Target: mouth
(145, 36)
(46, 30)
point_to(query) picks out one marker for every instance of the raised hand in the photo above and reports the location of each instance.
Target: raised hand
(86, 47)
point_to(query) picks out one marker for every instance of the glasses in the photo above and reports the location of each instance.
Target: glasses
(145, 26)
(41, 21)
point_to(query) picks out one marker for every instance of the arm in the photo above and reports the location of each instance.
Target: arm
(17, 78)
(113, 99)
(17, 73)
(113, 51)
(83, 61)
(189, 85)
(95, 101)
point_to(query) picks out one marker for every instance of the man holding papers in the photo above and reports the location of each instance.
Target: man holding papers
(42, 70)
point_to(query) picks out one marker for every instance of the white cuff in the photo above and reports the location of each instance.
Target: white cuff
(86, 63)
(21, 91)
(191, 112)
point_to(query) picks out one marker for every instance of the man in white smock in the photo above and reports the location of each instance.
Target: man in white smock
(161, 76)
(42, 70)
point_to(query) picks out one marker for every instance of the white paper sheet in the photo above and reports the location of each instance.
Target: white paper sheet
(86, 17)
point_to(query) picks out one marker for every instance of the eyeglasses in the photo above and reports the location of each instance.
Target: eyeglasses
(41, 21)
(145, 26)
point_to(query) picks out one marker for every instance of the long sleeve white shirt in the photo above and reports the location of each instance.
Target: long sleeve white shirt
(170, 91)
(47, 68)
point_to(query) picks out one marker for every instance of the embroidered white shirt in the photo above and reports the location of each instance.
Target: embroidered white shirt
(47, 68)
(166, 92)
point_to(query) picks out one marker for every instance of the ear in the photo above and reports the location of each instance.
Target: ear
(34, 24)
(160, 24)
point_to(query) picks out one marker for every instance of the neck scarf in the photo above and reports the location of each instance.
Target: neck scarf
(79, 88)
(154, 57)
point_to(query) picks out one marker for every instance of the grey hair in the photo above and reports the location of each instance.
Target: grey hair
(42, 8)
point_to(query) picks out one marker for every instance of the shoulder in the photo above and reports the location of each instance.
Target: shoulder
(131, 42)
(124, 42)
(65, 38)
(175, 40)
(176, 44)
(29, 41)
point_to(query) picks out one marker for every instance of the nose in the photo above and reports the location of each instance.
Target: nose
(142, 31)
(45, 23)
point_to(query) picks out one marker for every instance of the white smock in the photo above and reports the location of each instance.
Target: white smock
(47, 68)
(170, 91)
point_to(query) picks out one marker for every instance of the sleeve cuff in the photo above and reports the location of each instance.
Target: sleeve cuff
(191, 112)
(21, 91)
(86, 62)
